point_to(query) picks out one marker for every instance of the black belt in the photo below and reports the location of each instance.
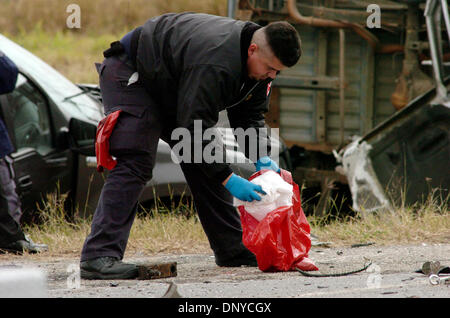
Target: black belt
(116, 48)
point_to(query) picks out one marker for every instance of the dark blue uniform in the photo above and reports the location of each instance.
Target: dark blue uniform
(175, 86)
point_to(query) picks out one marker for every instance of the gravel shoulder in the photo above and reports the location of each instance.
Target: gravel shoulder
(392, 274)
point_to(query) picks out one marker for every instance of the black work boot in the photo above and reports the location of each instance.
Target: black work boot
(107, 268)
(26, 245)
(245, 258)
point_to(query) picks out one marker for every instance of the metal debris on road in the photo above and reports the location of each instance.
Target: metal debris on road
(362, 244)
(157, 270)
(172, 292)
(433, 269)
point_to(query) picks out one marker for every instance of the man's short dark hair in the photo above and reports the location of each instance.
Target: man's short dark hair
(284, 41)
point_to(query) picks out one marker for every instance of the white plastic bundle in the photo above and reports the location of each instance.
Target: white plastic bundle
(278, 193)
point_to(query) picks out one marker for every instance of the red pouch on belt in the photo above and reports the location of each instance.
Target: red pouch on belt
(281, 240)
(104, 130)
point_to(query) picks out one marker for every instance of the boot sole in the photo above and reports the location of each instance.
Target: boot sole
(84, 274)
(237, 263)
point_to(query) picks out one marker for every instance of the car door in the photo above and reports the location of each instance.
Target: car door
(39, 167)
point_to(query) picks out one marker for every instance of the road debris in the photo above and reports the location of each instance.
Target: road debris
(366, 266)
(172, 292)
(434, 267)
(316, 243)
(157, 270)
(433, 270)
(362, 244)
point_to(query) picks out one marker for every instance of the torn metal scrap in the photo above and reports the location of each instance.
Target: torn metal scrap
(157, 270)
(404, 159)
(172, 292)
(433, 270)
(367, 192)
(434, 267)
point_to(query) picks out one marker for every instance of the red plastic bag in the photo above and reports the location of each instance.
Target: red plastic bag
(104, 131)
(281, 240)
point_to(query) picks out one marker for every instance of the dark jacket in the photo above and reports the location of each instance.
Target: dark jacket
(8, 74)
(191, 64)
(8, 78)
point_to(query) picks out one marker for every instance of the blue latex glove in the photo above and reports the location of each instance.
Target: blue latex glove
(267, 163)
(243, 189)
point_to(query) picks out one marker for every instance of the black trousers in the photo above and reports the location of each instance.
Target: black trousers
(10, 212)
(134, 143)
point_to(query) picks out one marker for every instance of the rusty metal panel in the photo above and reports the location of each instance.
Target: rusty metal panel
(157, 270)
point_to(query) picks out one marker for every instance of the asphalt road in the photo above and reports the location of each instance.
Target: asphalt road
(392, 274)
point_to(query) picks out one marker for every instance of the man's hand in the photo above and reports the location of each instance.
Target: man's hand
(267, 163)
(243, 189)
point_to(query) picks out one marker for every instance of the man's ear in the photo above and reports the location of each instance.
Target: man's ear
(252, 49)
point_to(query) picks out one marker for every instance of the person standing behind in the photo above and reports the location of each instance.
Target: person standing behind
(12, 237)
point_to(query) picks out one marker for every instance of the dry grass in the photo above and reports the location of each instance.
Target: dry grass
(164, 233)
(40, 27)
(73, 55)
(156, 231)
(64, 237)
(419, 223)
(97, 16)
(169, 231)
